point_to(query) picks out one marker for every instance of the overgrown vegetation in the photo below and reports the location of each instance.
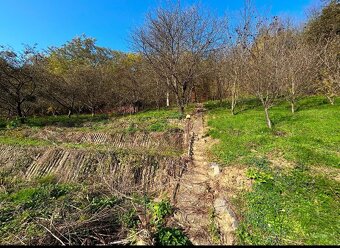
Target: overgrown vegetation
(46, 212)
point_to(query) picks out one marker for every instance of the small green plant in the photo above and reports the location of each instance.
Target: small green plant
(158, 126)
(171, 236)
(132, 128)
(130, 219)
(48, 179)
(159, 210)
(13, 124)
(99, 202)
(258, 175)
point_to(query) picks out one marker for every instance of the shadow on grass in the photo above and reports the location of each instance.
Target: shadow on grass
(59, 121)
(64, 121)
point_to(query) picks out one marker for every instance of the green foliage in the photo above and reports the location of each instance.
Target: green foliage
(12, 140)
(164, 235)
(171, 236)
(159, 126)
(130, 219)
(13, 124)
(64, 121)
(258, 175)
(159, 210)
(326, 25)
(132, 128)
(28, 203)
(102, 202)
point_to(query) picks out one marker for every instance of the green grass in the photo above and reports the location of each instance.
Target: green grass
(288, 205)
(23, 141)
(310, 136)
(292, 208)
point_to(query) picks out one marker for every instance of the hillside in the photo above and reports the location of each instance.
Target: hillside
(151, 178)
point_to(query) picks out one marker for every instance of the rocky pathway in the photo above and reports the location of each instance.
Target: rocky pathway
(201, 209)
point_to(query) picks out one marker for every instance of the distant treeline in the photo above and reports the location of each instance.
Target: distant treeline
(181, 55)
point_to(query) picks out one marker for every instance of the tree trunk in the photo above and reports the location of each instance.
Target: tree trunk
(233, 105)
(293, 107)
(167, 99)
(19, 112)
(269, 122)
(331, 100)
(233, 98)
(69, 113)
(181, 110)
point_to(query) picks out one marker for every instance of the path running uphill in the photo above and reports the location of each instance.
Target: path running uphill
(201, 209)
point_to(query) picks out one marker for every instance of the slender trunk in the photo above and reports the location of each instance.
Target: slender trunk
(167, 99)
(293, 107)
(19, 112)
(69, 113)
(195, 95)
(180, 103)
(331, 100)
(93, 112)
(233, 104)
(269, 122)
(219, 84)
(233, 98)
(181, 110)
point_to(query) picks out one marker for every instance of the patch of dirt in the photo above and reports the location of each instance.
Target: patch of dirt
(331, 173)
(277, 161)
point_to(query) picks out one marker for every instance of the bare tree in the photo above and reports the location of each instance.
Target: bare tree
(265, 63)
(329, 68)
(17, 79)
(174, 41)
(298, 66)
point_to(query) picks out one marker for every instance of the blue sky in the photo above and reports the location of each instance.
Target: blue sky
(53, 22)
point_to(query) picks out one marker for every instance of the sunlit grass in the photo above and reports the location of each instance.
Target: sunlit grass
(295, 206)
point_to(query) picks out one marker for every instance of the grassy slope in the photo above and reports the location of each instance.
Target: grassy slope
(24, 205)
(13, 133)
(293, 206)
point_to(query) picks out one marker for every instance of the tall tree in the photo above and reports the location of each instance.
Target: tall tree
(78, 69)
(17, 79)
(174, 41)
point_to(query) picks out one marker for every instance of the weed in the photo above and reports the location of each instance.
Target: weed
(213, 227)
(159, 210)
(258, 175)
(171, 236)
(130, 219)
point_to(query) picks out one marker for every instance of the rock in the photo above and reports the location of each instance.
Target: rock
(216, 169)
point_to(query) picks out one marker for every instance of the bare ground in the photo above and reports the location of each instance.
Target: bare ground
(202, 202)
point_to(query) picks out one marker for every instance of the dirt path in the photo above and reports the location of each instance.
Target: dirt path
(202, 210)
